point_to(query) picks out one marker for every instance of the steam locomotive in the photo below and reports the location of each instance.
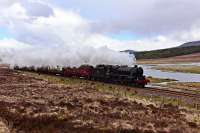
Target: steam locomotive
(103, 73)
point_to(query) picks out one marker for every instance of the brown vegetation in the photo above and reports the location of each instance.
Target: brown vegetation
(30, 104)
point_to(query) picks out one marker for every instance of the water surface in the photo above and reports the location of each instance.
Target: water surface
(181, 77)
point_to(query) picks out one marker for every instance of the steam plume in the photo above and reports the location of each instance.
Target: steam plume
(45, 35)
(65, 56)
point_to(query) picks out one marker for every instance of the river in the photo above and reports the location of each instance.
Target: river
(181, 77)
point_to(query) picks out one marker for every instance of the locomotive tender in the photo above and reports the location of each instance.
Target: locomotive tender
(104, 73)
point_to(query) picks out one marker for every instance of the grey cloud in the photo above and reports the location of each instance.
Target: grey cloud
(37, 9)
(162, 17)
(146, 17)
(6, 3)
(33, 8)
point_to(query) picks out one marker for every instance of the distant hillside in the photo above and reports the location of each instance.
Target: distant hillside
(195, 43)
(165, 53)
(129, 51)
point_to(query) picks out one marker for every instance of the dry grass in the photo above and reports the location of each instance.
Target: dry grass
(41, 103)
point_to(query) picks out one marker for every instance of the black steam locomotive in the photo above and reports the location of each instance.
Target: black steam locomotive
(104, 73)
(120, 74)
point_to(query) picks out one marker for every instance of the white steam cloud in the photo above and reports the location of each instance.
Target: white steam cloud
(64, 56)
(50, 36)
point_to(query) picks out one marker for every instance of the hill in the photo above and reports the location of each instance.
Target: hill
(165, 53)
(129, 51)
(184, 49)
(190, 58)
(188, 44)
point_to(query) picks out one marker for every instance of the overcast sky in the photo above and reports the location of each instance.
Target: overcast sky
(116, 24)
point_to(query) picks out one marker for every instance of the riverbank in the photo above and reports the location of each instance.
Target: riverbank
(179, 68)
(159, 80)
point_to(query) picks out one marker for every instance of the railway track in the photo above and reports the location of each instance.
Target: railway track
(175, 93)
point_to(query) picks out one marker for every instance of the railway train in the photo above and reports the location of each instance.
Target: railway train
(103, 73)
